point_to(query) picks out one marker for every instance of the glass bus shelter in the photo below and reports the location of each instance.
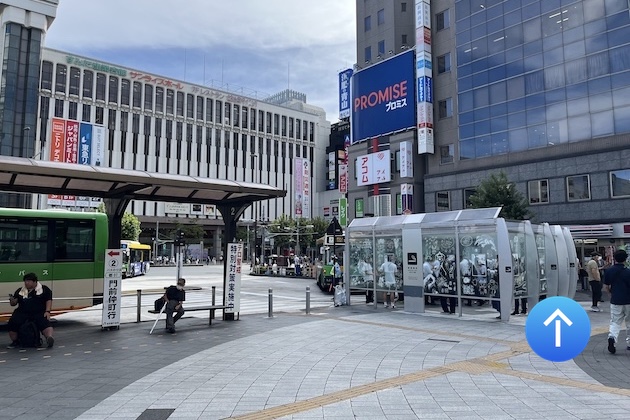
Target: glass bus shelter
(465, 255)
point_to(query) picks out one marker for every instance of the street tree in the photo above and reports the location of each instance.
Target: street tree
(497, 191)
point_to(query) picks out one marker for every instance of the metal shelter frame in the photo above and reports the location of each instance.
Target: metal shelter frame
(119, 186)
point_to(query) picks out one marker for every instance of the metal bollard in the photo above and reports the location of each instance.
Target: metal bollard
(214, 294)
(308, 300)
(270, 303)
(139, 305)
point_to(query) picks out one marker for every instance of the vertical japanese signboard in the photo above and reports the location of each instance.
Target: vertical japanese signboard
(344, 93)
(112, 286)
(424, 79)
(406, 159)
(298, 172)
(57, 148)
(80, 143)
(343, 212)
(233, 287)
(406, 191)
(343, 178)
(306, 185)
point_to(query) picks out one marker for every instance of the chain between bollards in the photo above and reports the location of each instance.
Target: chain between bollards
(308, 300)
(270, 303)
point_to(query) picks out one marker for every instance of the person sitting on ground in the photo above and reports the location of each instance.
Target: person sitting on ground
(34, 302)
(174, 297)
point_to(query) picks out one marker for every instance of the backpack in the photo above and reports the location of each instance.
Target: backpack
(159, 304)
(29, 335)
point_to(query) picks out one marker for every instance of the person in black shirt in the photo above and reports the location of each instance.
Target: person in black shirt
(35, 302)
(617, 283)
(174, 297)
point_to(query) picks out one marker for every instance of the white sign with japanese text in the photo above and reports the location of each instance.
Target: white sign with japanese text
(233, 287)
(112, 286)
(406, 159)
(374, 168)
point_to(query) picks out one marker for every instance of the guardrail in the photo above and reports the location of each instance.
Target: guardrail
(153, 292)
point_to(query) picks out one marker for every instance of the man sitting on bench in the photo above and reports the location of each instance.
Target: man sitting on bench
(174, 297)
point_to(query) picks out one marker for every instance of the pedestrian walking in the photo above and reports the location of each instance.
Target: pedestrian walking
(594, 279)
(617, 283)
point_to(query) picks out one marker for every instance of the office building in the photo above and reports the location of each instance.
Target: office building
(537, 89)
(144, 121)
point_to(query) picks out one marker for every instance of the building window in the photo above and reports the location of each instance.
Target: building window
(113, 89)
(180, 104)
(209, 111)
(60, 78)
(381, 48)
(137, 94)
(403, 6)
(445, 108)
(403, 39)
(86, 113)
(368, 54)
(100, 115)
(59, 108)
(380, 17)
(73, 110)
(148, 97)
(75, 81)
(538, 191)
(101, 86)
(620, 183)
(170, 100)
(88, 82)
(200, 101)
(578, 188)
(47, 72)
(447, 153)
(443, 201)
(367, 23)
(468, 192)
(443, 20)
(444, 63)
(159, 99)
(190, 105)
(125, 91)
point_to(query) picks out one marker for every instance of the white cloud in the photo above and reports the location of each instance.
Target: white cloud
(254, 40)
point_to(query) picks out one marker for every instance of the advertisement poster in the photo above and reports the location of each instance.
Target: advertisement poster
(374, 168)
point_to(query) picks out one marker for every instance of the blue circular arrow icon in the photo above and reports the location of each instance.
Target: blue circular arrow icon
(558, 329)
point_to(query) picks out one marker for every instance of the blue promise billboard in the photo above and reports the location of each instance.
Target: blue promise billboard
(383, 98)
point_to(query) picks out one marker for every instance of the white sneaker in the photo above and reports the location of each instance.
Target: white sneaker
(595, 309)
(386, 306)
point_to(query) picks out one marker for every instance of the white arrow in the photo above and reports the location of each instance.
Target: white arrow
(558, 313)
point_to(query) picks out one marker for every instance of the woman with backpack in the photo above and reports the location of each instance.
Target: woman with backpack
(34, 302)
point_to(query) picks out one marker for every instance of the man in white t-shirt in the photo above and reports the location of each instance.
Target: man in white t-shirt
(389, 269)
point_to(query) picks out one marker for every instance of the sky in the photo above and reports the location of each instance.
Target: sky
(253, 47)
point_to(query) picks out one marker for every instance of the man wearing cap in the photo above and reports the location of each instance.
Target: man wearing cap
(617, 283)
(594, 279)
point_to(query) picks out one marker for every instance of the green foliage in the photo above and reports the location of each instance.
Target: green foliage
(130, 227)
(497, 191)
(193, 233)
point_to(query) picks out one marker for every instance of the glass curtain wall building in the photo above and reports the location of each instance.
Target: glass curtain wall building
(537, 89)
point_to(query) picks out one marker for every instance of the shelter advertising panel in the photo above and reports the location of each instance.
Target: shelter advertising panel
(361, 265)
(374, 168)
(383, 98)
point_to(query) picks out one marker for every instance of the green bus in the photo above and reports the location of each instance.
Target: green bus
(65, 249)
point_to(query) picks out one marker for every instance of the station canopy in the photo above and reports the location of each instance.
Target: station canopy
(22, 175)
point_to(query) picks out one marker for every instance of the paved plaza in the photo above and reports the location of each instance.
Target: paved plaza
(350, 362)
